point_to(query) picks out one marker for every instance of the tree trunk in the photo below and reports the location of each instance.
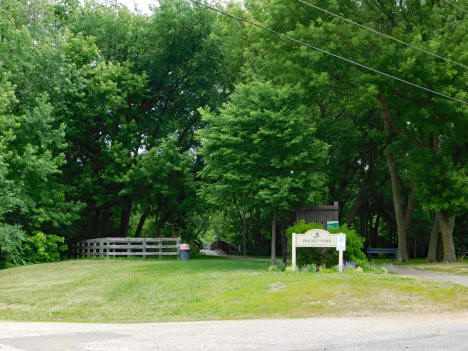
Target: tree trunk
(446, 227)
(141, 222)
(396, 194)
(161, 224)
(284, 242)
(125, 217)
(244, 235)
(273, 239)
(375, 232)
(255, 234)
(432, 251)
(103, 221)
(244, 226)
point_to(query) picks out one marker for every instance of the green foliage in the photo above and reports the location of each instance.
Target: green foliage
(11, 238)
(43, 248)
(100, 110)
(327, 256)
(354, 244)
(263, 145)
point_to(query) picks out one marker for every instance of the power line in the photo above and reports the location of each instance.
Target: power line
(457, 6)
(327, 52)
(382, 34)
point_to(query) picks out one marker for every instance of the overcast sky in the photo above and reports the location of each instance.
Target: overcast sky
(143, 5)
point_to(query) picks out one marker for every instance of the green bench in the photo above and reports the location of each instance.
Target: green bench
(376, 251)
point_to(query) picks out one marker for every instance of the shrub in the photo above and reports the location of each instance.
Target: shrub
(309, 268)
(327, 256)
(279, 267)
(369, 267)
(354, 244)
(11, 237)
(43, 248)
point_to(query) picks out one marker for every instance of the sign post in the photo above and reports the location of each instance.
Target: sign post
(340, 247)
(319, 238)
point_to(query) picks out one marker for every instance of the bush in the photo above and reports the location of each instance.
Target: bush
(11, 237)
(279, 267)
(43, 248)
(327, 256)
(369, 267)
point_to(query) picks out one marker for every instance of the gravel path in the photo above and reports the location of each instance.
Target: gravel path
(454, 278)
(391, 332)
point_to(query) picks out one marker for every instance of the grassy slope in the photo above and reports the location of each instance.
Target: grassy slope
(167, 290)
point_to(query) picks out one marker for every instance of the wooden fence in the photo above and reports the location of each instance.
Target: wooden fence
(128, 247)
(317, 214)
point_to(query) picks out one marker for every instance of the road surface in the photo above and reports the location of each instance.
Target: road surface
(391, 332)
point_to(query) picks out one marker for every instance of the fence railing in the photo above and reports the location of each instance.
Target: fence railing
(128, 247)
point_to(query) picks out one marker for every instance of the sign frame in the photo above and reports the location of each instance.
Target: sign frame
(319, 238)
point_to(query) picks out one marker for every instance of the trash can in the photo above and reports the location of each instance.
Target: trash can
(184, 252)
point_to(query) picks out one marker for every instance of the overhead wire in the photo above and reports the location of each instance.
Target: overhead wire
(284, 36)
(382, 34)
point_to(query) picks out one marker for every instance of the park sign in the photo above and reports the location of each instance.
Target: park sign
(319, 238)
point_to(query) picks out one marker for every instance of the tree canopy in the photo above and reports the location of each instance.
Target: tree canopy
(115, 123)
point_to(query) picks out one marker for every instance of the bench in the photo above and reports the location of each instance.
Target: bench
(371, 251)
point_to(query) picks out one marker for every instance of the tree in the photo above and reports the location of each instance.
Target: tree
(263, 145)
(163, 185)
(409, 115)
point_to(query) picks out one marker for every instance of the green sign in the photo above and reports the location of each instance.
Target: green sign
(332, 224)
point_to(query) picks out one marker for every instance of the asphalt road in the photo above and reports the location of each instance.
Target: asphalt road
(397, 332)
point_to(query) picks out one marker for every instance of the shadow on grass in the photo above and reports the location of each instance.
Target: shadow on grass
(199, 264)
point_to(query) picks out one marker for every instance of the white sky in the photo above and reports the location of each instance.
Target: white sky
(142, 5)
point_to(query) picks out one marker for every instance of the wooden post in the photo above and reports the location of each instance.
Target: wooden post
(178, 245)
(101, 247)
(294, 251)
(160, 243)
(107, 250)
(144, 248)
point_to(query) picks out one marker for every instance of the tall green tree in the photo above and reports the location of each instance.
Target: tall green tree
(263, 144)
(407, 115)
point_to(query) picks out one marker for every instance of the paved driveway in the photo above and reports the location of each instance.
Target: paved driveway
(454, 278)
(398, 332)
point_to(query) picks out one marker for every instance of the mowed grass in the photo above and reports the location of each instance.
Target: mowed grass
(208, 289)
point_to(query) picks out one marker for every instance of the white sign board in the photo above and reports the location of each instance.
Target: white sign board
(340, 242)
(319, 238)
(316, 238)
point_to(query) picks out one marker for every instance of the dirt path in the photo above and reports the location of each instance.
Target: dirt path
(454, 278)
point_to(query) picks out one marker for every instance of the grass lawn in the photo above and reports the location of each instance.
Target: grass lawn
(123, 290)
